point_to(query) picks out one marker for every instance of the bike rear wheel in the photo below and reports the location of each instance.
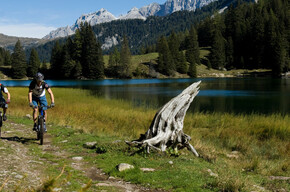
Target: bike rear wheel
(40, 132)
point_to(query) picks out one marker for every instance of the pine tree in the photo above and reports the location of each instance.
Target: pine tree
(192, 52)
(193, 45)
(182, 66)
(217, 55)
(229, 53)
(92, 58)
(77, 46)
(174, 44)
(56, 61)
(67, 63)
(7, 58)
(33, 64)
(125, 59)
(114, 59)
(165, 61)
(44, 68)
(18, 60)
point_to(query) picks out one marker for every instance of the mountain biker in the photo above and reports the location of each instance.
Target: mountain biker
(36, 95)
(3, 102)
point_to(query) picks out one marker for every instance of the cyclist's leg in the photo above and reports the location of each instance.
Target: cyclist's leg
(34, 114)
(43, 102)
(35, 101)
(4, 105)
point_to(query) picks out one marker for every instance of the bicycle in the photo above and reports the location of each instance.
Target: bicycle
(40, 123)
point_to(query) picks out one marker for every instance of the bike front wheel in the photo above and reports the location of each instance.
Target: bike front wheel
(40, 132)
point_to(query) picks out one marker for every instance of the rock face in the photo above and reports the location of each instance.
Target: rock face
(153, 9)
(98, 17)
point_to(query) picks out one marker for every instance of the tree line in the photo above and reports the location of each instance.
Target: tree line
(79, 57)
(249, 36)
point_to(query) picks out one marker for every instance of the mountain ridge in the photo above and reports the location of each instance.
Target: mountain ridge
(153, 9)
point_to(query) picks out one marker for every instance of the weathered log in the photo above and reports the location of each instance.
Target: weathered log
(166, 129)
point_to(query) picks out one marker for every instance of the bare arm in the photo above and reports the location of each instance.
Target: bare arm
(30, 97)
(8, 95)
(51, 95)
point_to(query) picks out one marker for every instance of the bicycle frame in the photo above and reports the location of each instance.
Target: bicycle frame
(40, 123)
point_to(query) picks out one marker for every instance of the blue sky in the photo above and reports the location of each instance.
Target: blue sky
(36, 18)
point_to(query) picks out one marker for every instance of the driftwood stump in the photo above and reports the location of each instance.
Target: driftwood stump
(166, 129)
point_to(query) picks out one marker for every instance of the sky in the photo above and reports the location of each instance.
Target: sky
(36, 18)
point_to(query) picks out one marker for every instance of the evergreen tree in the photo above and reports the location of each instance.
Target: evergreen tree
(165, 61)
(114, 58)
(77, 46)
(92, 58)
(56, 61)
(125, 60)
(258, 31)
(229, 53)
(1, 56)
(67, 63)
(7, 58)
(270, 40)
(44, 68)
(173, 43)
(33, 64)
(217, 55)
(182, 66)
(18, 60)
(192, 52)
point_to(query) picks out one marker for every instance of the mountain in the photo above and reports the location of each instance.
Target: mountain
(153, 9)
(141, 32)
(10, 41)
(101, 16)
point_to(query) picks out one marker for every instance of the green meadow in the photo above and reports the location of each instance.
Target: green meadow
(237, 152)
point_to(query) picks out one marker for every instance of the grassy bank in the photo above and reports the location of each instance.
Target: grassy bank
(238, 152)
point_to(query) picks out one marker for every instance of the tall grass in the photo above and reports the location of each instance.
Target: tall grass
(248, 145)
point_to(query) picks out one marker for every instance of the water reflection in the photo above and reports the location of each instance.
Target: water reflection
(236, 95)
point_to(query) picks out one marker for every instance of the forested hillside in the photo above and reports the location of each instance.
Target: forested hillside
(250, 36)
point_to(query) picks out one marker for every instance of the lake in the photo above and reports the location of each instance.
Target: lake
(233, 95)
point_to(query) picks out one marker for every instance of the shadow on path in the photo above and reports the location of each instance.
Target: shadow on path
(22, 140)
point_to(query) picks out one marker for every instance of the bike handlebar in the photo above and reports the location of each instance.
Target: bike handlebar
(48, 106)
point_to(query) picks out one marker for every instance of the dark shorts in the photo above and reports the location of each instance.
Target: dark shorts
(3, 103)
(41, 100)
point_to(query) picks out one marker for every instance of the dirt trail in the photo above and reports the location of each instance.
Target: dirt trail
(21, 170)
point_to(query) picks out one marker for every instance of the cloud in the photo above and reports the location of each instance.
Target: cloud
(26, 30)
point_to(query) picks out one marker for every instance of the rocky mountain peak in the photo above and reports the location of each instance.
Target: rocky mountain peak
(153, 9)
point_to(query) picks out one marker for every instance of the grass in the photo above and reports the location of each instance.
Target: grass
(243, 150)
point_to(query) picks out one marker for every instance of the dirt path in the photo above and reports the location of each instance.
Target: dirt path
(22, 170)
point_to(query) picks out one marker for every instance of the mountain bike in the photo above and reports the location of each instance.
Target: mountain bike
(40, 123)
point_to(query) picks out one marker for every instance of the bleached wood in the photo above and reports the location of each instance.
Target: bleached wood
(166, 129)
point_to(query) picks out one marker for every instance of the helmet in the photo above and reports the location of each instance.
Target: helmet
(39, 77)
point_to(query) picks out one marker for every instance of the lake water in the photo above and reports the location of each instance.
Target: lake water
(235, 95)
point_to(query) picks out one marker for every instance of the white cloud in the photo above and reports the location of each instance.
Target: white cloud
(26, 30)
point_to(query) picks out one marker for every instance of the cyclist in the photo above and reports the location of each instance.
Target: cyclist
(36, 95)
(3, 102)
